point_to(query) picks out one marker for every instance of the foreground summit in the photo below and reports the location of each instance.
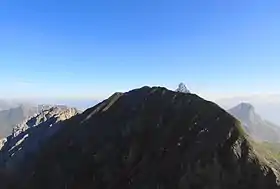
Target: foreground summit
(150, 138)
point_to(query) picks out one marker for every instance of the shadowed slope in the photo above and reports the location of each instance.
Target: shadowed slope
(149, 138)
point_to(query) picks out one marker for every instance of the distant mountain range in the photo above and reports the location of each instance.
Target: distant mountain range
(255, 126)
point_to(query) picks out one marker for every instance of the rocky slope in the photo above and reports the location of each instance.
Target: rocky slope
(26, 138)
(255, 126)
(13, 116)
(149, 138)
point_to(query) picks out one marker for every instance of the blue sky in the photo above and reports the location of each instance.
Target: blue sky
(89, 49)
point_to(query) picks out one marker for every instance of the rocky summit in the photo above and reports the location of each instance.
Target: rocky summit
(150, 138)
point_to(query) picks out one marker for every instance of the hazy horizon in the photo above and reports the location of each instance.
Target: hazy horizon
(267, 106)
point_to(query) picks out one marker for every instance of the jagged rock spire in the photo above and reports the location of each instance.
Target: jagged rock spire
(182, 88)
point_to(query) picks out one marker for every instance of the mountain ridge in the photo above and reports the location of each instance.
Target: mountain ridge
(152, 138)
(28, 136)
(13, 116)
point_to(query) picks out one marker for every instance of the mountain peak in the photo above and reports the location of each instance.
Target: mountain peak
(255, 126)
(182, 88)
(246, 105)
(149, 138)
(244, 110)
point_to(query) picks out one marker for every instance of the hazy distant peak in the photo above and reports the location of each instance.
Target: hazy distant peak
(245, 112)
(244, 108)
(253, 123)
(246, 105)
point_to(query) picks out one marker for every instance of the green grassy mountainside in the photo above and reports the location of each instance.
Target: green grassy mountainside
(148, 138)
(270, 152)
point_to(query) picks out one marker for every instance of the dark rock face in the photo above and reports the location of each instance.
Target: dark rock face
(149, 138)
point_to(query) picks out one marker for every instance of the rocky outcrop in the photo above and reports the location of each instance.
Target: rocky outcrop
(182, 88)
(57, 113)
(13, 116)
(149, 138)
(28, 136)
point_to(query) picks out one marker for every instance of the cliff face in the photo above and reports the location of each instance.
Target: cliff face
(149, 138)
